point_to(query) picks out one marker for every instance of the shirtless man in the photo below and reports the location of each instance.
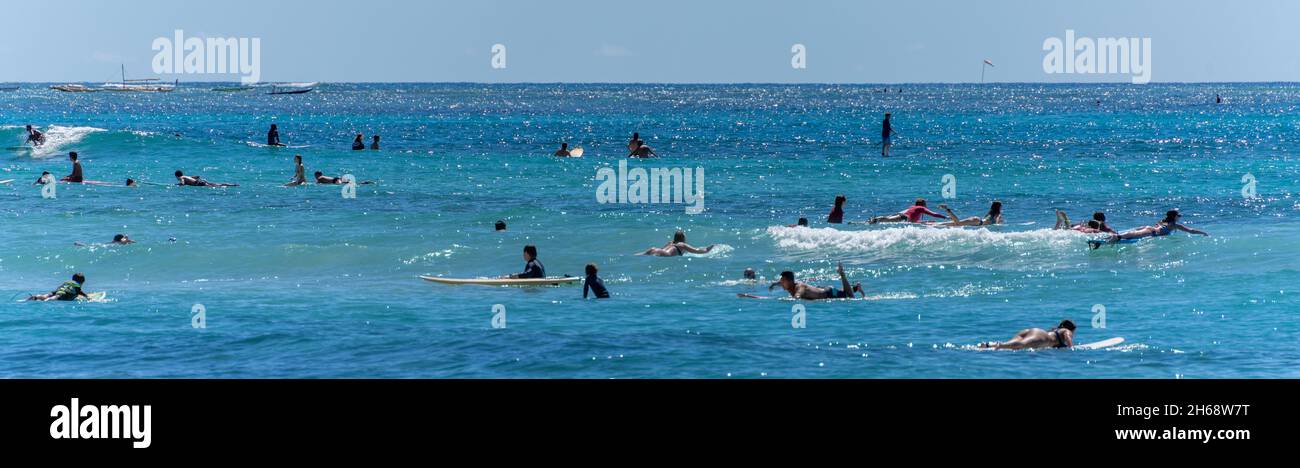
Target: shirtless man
(563, 152)
(911, 215)
(196, 181)
(76, 176)
(807, 292)
(1061, 337)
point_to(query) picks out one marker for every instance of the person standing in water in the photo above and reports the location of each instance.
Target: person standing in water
(358, 144)
(273, 136)
(837, 213)
(911, 215)
(1061, 337)
(532, 268)
(374, 142)
(76, 176)
(642, 151)
(886, 135)
(634, 142)
(594, 284)
(299, 172)
(807, 292)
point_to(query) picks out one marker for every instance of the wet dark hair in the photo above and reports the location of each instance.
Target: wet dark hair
(297, 157)
(680, 236)
(920, 202)
(787, 275)
(1172, 216)
(273, 127)
(501, 225)
(1094, 224)
(179, 173)
(130, 181)
(79, 278)
(1099, 216)
(319, 173)
(803, 221)
(374, 137)
(749, 273)
(995, 209)
(119, 237)
(591, 269)
(636, 136)
(1068, 325)
(564, 146)
(531, 250)
(839, 201)
(73, 155)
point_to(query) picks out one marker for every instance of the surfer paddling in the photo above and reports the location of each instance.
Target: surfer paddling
(532, 268)
(1096, 225)
(994, 216)
(911, 215)
(804, 291)
(197, 181)
(676, 248)
(1061, 337)
(1163, 228)
(68, 291)
(323, 179)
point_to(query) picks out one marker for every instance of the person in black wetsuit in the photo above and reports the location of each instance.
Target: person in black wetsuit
(1061, 337)
(374, 142)
(273, 137)
(886, 136)
(532, 269)
(358, 144)
(594, 283)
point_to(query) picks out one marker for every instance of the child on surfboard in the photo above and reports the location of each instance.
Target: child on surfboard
(68, 291)
(532, 268)
(594, 284)
(804, 291)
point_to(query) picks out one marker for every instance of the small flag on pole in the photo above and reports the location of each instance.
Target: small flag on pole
(987, 62)
(984, 67)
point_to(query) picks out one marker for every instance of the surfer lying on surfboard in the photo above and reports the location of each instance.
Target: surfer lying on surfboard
(321, 178)
(994, 216)
(68, 291)
(911, 215)
(196, 181)
(808, 292)
(533, 268)
(676, 248)
(1095, 225)
(1163, 228)
(1061, 337)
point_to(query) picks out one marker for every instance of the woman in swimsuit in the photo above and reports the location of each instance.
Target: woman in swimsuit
(994, 216)
(1061, 337)
(1165, 227)
(837, 213)
(1093, 226)
(676, 248)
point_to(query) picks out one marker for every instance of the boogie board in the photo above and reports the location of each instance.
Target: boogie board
(551, 281)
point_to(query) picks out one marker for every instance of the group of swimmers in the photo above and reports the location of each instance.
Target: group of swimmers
(78, 177)
(636, 148)
(358, 144)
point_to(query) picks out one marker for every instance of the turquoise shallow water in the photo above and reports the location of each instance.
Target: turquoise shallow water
(301, 282)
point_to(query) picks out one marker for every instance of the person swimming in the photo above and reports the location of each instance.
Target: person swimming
(533, 268)
(322, 179)
(594, 284)
(76, 176)
(45, 178)
(634, 142)
(131, 183)
(837, 213)
(1096, 225)
(807, 292)
(500, 225)
(374, 142)
(196, 181)
(358, 144)
(1163, 228)
(1061, 337)
(68, 291)
(273, 136)
(563, 152)
(750, 275)
(911, 215)
(299, 172)
(803, 222)
(35, 137)
(676, 248)
(993, 217)
(886, 135)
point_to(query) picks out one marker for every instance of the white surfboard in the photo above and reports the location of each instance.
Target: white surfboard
(552, 281)
(576, 153)
(1103, 344)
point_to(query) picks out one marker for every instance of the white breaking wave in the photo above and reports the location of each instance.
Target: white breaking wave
(58, 137)
(957, 246)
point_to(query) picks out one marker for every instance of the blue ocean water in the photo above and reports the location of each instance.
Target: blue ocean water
(302, 282)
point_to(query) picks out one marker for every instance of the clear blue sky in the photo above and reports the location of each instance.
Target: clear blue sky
(655, 40)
